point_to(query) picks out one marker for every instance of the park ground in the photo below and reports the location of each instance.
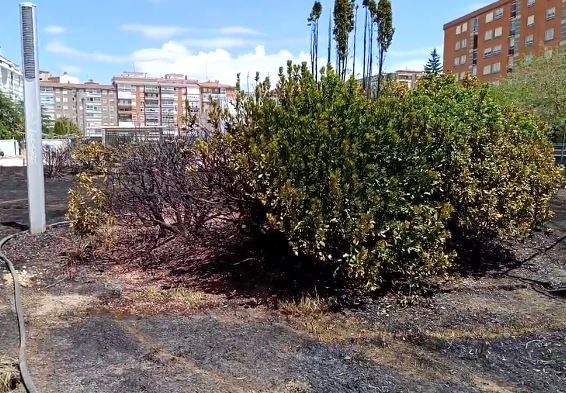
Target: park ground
(123, 325)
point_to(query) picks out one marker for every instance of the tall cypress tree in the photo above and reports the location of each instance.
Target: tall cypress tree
(385, 32)
(313, 23)
(433, 66)
(343, 26)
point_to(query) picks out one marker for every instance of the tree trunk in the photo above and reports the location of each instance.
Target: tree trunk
(370, 59)
(365, 47)
(355, 37)
(380, 71)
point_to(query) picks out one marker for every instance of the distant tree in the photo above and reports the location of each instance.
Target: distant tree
(371, 15)
(11, 119)
(343, 26)
(433, 66)
(64, 126)
(385, 32)
(47, 123)
(313, 20)
(538, 84)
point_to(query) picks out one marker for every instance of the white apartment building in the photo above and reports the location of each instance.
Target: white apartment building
(11, 80)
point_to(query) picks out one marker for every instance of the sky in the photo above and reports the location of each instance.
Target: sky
(206, 40)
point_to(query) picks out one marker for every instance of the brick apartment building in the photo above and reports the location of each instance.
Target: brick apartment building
(488, 41)
(148, 102)
(133, 100)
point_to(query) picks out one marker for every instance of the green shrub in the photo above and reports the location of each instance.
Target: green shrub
(339, 180)
(496, 163)
(377, 188)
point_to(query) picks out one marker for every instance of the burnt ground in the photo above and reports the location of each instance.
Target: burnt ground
(115, 326)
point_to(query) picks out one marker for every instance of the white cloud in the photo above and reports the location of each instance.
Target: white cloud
(218, 64)
(238, 30)
(54, 29)
(154, 31)
(58, 47)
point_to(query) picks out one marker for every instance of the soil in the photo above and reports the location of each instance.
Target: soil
(100, 325)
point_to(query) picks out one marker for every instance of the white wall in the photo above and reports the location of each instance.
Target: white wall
(10, 147)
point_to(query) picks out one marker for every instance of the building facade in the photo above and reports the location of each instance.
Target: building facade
(11, 80)
(90, 105)
(488, 41)
(148, 102)
(408, 78)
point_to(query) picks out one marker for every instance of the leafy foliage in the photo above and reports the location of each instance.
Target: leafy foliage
(88, 207)
(65, 127)
(11, 119)
(338, 181)
(538, 84)
(377, 188)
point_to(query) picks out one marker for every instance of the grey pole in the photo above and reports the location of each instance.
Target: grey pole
(34, 149)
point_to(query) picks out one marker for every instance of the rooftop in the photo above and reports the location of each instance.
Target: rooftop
(475, 13)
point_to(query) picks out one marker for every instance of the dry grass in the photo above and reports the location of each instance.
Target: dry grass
(153, 299)
(292, 386)
(306, 307)
(9, 375)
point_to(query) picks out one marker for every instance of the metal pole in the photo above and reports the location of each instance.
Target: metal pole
(34, 149)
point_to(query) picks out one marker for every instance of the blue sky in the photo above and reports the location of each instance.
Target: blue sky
(204, 39)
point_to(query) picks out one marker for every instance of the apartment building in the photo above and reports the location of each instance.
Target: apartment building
(11, 80)
(149, 102)
(488, 41)
(90, 105)
(213, 91)
(407, 77)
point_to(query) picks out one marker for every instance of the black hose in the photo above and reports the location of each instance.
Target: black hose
(24, 371)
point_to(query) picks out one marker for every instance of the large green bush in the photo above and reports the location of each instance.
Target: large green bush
(495, 162)
(376, 188)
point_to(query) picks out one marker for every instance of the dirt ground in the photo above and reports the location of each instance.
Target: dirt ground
(115, 327)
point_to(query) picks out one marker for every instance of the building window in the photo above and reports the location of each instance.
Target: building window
(498, 32)
(464, 43)
(488, 35)
(475, 25)
(458, 29)
(549, 35)
(531, 3)
(457, 45)
(551, 13)
(496, 50)
(474, 70)
(489, 17)
(495, 68)
(514, 27)
(530, 20)
(463, 59)
(65, 99)
(487, 52)
(498, 13)
(464, 27)
(487, 70)
(529, 40)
